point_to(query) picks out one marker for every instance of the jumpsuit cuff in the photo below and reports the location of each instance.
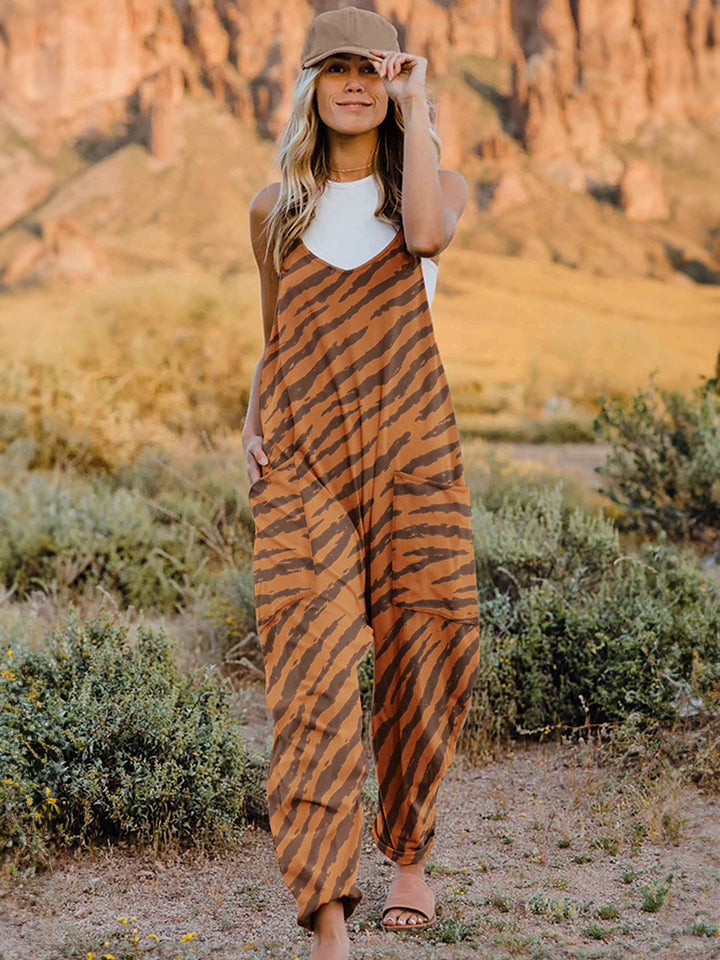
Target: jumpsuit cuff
(349, 900)
(404, 857)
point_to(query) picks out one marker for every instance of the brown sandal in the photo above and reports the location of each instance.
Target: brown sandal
(409, 892)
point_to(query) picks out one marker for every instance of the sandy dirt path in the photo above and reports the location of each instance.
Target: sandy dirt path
(528, 849)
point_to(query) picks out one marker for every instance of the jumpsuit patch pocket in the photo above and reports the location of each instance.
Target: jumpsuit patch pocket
(432, 553)
(283, 569)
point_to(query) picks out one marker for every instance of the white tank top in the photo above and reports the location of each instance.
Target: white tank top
(345, 233)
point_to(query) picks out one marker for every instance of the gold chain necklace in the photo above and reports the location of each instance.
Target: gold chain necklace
(348, 169)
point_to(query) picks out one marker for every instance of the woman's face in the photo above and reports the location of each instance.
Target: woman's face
(351, 96)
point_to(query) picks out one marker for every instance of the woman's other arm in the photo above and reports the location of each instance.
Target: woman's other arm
(433, 199)
(260, 206)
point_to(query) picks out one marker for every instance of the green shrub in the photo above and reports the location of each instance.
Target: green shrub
(665, 459)
(702, 928)
(575, 632)
(553, 910)
(230, 606)
(71, 531)
(102, 738)
(366, 678)
(532, 537)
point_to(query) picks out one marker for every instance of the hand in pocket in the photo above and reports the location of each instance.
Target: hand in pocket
(254, 458)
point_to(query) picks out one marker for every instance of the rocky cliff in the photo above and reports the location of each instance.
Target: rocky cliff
(523, 87)
(601, 69)
(583, 70)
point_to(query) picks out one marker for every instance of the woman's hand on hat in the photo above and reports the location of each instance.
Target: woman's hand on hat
(403, 73)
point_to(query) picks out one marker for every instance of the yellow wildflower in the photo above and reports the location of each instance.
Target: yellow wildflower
(121, 919)
(154, 936)
(188, 936)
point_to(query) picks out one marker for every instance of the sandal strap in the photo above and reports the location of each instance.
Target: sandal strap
(408, 892)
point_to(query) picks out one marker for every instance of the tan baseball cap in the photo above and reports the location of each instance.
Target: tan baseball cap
(348, 30)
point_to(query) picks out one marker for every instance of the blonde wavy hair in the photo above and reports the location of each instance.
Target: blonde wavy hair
(304, 162)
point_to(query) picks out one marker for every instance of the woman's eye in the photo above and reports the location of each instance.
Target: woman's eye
(369, 68)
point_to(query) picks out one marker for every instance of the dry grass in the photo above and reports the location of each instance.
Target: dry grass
(168, 355)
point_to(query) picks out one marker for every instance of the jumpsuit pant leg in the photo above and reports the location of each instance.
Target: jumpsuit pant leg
(425, 667)
(425, 618)
(314, 633)
(312, 574)
(317, 763)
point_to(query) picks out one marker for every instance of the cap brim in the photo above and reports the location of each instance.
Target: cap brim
(362, 51)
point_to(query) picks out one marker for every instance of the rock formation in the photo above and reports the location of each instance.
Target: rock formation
(641, 193)
(583, 70)
(578, 77)
(594, 69)
(64, 250)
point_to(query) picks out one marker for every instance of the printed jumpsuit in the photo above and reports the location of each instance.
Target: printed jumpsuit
(363, 535)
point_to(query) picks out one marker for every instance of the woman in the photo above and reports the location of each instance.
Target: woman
(362, 517)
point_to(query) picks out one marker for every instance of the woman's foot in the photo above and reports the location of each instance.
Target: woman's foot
(330, 936)
(400, 917)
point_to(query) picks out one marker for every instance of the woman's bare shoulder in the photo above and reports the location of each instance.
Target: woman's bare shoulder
(263, 202)
(260, 207)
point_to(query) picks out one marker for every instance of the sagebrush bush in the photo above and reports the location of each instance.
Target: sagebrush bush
(665, 459)
(575, 631)
(229, 606)
(103, 738)
(70, 531)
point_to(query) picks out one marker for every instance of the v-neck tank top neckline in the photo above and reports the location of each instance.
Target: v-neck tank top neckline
(360, 266)
(345, 231)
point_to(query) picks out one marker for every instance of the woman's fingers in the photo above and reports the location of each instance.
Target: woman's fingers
(388, 67)
(256, 459)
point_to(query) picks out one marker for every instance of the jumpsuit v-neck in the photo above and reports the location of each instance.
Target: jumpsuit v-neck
(363, 539)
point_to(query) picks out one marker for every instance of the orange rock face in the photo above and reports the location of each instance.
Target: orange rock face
(599, 69)
(64, 250)
(584, 71)
(642, 194)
